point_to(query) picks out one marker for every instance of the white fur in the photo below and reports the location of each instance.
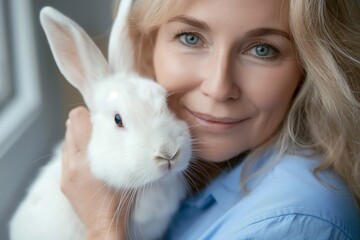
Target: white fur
(124, 158)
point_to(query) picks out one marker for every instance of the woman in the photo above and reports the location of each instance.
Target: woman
(271, 91)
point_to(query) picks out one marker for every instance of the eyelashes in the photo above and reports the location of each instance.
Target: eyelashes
(190, 39)
(263, 51)
(260, 49)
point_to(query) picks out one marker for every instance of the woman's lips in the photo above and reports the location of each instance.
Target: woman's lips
(215, 124)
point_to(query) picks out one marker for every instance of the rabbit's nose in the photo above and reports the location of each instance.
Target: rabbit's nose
(167, 152)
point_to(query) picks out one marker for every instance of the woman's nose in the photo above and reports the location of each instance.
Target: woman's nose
(220, 82)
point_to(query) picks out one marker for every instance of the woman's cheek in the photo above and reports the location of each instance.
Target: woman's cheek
(174, 70)
(271, 90)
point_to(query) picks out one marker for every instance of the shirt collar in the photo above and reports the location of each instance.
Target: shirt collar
(226, 190)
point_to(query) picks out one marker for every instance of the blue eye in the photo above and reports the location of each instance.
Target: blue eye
(118, 120)
(264, 51)
(189, 39)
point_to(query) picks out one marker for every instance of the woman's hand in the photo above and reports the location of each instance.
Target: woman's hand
(95, 203)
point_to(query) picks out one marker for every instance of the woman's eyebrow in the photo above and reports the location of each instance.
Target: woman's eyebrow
(190, 21)
(261, 32)
(258, 32)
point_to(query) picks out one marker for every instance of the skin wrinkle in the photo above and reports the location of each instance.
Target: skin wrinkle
(222, 77)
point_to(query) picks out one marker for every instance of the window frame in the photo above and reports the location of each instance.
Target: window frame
(20, 111)
(5, 84)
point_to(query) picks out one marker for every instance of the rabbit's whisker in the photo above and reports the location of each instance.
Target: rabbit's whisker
(190, 182)
(40, 159)
(197, 173)
(113, 218)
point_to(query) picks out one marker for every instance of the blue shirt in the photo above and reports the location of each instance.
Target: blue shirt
(285, 202)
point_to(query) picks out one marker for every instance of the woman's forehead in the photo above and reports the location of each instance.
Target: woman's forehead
(230, 13)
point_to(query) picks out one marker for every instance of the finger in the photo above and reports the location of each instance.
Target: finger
(80, 127)
(70, 148)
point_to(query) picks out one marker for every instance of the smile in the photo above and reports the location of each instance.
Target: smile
(215, 124)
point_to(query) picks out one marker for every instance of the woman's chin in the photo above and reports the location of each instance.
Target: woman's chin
(214, 155)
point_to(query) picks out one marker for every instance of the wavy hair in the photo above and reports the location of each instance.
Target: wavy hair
(324, 117)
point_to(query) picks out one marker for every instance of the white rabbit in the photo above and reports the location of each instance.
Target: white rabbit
(136, 143)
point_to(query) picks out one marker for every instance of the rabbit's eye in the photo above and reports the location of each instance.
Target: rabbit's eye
(118, 120)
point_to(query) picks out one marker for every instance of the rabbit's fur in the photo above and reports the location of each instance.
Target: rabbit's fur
(148, 153)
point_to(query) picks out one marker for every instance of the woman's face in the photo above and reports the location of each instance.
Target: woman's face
(231, 70)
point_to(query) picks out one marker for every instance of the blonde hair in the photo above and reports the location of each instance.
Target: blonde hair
(325, 113)
(325, 116)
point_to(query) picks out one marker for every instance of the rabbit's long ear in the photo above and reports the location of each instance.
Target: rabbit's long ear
(121, 49)
(77, 56)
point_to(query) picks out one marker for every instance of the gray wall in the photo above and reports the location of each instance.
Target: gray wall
(35, 148)
(20, 164)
